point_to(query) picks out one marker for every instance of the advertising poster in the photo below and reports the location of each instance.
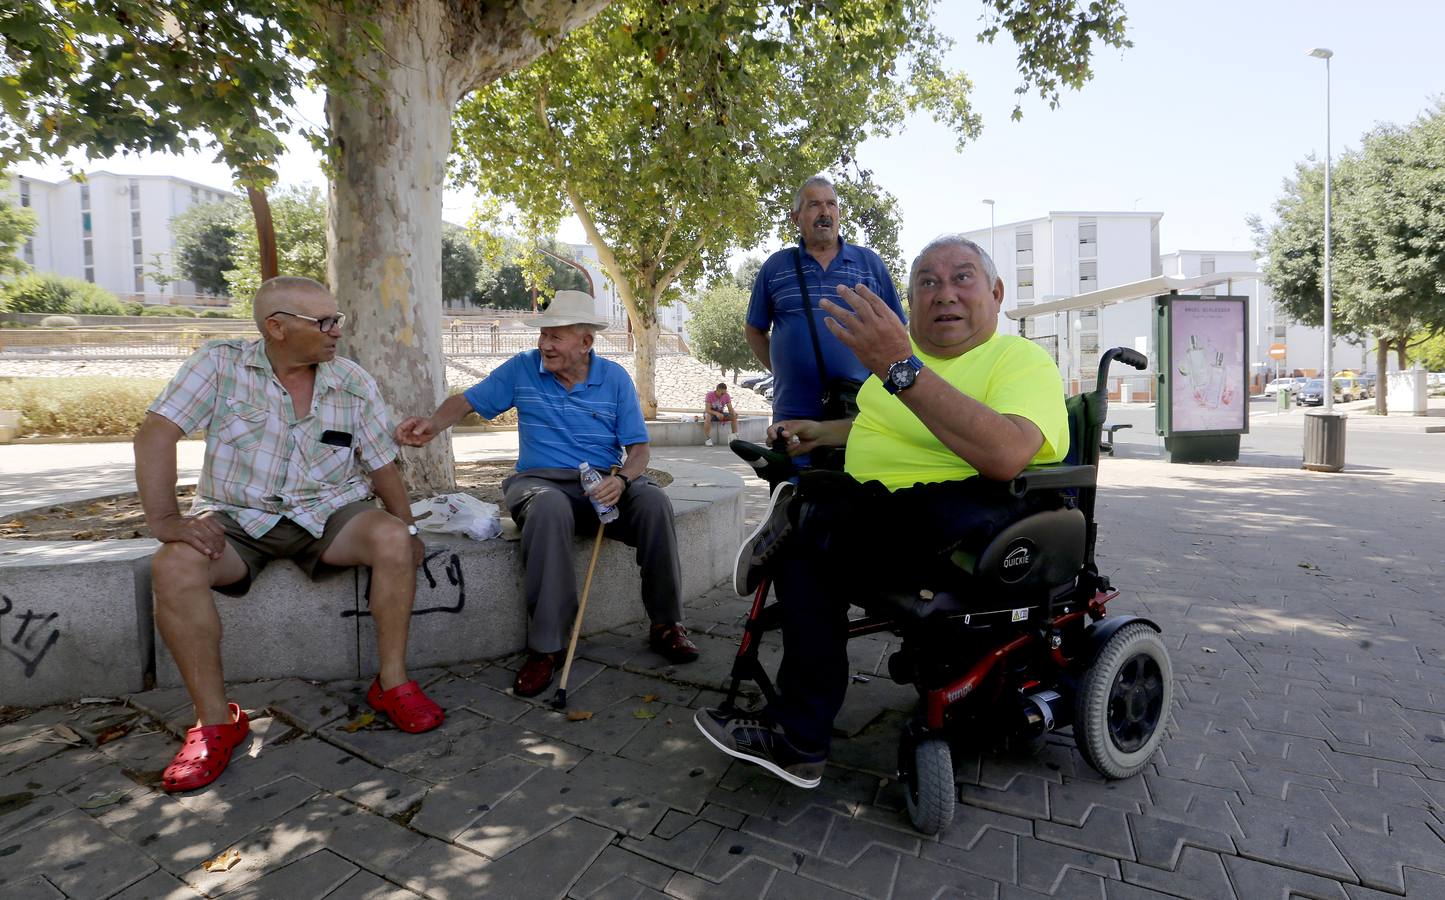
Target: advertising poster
(1207, 345)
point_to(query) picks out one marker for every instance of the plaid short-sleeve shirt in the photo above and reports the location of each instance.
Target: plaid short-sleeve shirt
(262, 463)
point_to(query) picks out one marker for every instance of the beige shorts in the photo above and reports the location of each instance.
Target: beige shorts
(286, 540)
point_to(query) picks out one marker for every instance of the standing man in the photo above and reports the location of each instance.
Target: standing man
(289, 428)
(573, 406)
(793, 344)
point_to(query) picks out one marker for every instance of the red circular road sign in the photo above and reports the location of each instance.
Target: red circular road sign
(1276, 351)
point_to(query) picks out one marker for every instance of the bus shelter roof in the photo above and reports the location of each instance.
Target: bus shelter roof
(1135, 290)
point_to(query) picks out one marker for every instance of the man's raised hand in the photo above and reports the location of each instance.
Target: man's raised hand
(870, 329)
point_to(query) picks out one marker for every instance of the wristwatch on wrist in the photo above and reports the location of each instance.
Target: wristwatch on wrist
(413, 530)
(902, 374)
(626, 482)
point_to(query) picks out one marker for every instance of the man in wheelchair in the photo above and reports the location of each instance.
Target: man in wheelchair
(954, 412)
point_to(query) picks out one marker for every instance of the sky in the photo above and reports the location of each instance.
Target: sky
(1201, 120)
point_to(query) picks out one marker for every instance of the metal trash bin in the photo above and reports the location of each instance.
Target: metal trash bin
(1324, 441)
(1282, 399)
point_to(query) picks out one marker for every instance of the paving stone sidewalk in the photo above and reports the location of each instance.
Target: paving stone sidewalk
(1306, 755)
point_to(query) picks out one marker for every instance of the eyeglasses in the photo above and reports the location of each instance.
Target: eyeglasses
(325, 323)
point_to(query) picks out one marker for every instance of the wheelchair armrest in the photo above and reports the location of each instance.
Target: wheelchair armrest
(1053, 478)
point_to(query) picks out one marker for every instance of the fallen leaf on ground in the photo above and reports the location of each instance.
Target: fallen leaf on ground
(222, 863)
(63, 734)
(579, 715)
(1305, 565)
(643, 712)
(649, 698)
(113, 732)
(358, 723)
(1209, 650)
(97, 800)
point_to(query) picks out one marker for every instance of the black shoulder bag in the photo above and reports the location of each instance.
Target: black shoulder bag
(840, 395)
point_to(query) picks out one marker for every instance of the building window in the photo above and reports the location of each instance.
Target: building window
(89, 248)
(24, 192)
(1088, 276)
(140, 279)
(1089, 342)
(1024, 245)
(1026, 285)
(1088, 238)
(137, 255)
(1279, 331)
(134, 194)
(85, 224)
(195, 195)
(85, 196)
(135, 221)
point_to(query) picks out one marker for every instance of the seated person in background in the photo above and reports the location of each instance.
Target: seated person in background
(718, 407)
(289, 428)
(573, 406)
(955, 411)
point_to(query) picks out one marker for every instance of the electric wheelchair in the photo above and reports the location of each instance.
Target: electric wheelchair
(1015, 641)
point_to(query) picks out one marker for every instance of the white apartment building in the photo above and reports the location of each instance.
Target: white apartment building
(672, 317)
(1067, 253)
(108, 228)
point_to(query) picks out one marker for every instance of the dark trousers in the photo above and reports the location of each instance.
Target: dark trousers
(551, 508)
(850, 542)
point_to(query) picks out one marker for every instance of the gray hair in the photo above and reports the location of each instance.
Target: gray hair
(815, 181)
(269, 294)
(954, 240)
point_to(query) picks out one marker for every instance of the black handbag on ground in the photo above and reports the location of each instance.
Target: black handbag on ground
(839, 395)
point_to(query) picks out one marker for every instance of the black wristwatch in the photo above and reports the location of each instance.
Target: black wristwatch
(902, 374)
(626, 482)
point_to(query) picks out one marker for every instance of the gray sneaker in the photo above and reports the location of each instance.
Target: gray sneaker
(763, 543)
(751, 739)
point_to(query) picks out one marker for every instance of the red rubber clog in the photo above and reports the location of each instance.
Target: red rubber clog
(406, 706)
(205, 754)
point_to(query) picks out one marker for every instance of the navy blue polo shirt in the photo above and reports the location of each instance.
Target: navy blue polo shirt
(559, 427)
(777, 304)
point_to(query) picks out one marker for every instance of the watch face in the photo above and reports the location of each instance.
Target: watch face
(902, 375)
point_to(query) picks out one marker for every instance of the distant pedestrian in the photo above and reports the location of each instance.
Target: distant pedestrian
(718, 407)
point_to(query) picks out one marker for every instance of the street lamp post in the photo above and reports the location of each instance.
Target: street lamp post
(990, 231)
(1325, 53)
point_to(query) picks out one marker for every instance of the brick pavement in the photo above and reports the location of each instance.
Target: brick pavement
(1306, 755)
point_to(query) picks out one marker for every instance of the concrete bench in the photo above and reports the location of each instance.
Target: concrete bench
(80, 616)
(1107, 444)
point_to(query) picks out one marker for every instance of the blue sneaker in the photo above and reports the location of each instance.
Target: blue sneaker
(763, 543)
(747, 737)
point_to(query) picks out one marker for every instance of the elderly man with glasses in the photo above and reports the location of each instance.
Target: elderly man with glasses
(291, 432)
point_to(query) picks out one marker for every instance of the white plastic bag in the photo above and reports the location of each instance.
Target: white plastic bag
(458, 514)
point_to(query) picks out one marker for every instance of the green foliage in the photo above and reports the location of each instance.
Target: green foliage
(1429, 352)
(1388, 238)
(228, 313)
(134, 308)
(677, 132)
(47, 293)
(298, 213)
(181, 312)
(80, 405)
(459, 264)
(16, 226)
(206, 235)
(509, 286)
(747, 273)
(715, 331)
(105, 76)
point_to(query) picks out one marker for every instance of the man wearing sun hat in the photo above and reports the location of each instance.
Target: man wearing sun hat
(573, 406)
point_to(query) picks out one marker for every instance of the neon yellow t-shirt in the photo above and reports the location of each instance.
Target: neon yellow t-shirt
(1009, 374)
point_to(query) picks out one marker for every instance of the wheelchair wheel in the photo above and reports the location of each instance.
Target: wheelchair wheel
(926, 769)
(1123, 702)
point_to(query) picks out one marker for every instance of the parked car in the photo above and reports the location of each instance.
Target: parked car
(752, 381)
(1313, 393)
(1288, 385)
(1348, 388)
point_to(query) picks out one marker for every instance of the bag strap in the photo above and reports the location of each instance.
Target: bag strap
(808, 315)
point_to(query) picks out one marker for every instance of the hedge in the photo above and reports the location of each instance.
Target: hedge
(60, 295)
(86, 405)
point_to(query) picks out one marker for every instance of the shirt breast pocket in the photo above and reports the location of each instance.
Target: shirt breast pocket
(326, 463)
(243, 427)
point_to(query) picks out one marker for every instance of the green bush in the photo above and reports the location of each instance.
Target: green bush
(219, 314)
(174, 311)
(135, 308)
(88, 405)
(57, 294)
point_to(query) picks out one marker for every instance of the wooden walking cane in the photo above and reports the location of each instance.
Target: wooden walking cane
(560, 700)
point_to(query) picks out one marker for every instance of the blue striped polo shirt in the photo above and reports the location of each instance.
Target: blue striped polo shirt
(777, 304)
(559, 427)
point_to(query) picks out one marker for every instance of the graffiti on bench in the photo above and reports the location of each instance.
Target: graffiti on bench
(452, 569)
(29, 654)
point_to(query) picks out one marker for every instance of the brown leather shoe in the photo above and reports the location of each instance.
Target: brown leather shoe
(535, 674)
(670, 640)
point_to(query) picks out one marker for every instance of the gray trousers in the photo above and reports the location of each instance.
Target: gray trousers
(551, 509)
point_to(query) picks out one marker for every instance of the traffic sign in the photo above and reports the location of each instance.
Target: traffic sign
(1276, 351)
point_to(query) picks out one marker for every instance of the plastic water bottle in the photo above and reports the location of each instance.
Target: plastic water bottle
(591, 477)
